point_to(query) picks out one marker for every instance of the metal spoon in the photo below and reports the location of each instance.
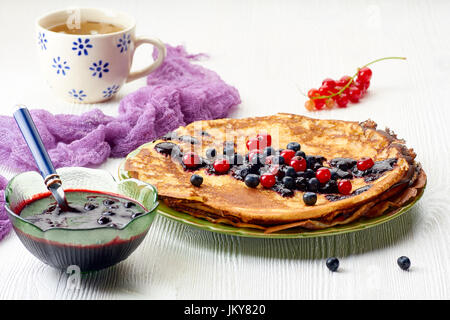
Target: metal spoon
(40, 155)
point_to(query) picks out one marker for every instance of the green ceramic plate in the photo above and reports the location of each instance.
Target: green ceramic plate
(255, 233)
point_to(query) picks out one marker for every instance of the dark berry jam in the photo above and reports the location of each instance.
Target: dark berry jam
(88, 210)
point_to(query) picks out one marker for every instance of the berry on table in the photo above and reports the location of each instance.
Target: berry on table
(404, 263)
(364, 74)
(318, 103)
(343, 81)
(354, 94)
(340, 92)
(342, 100)
(310, 105)
(332, 264)
(328, 82)
(330, 103)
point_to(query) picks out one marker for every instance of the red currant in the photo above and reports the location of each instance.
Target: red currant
(267, 180)
(298, 163)
(313, 93)
(323, 175)
(361, 86)
(364, 164)
(325, 90)
(252, 144)
(345, 186)
(354, 94)
(342, 100)
(364, 74)
(265, 140)
(330, 104)
(318, 103)
(191, 160)
(287, 154)
(330, 83)
(221, 165)
(310, 105)
(342, 82)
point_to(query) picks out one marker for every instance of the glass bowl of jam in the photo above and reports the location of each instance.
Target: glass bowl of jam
(106, 222)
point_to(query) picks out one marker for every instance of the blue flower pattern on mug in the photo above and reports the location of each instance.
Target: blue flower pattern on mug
(42, 41)
(60, 66)
(82, 46)
(80, 95)
(110, 91)
(124, 42)
(99, 68)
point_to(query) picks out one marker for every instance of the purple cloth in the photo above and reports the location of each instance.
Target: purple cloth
(176, 94)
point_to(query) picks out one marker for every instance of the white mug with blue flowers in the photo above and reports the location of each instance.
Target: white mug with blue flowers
(90, 68)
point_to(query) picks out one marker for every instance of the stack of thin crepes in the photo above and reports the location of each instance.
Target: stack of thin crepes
(226, 199)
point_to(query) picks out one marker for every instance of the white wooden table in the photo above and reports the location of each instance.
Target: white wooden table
(271, 51)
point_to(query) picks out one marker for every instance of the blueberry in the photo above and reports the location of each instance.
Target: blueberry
(404, 263)
(251, 180)
(310, 173)
(293, 146)
(129, 204)
(269, 151)
(211, 153)
(334, 174)
(289, 182)
(300, 154)
(108, 202)
(289, 171)
(108, 213)
(242, 171)
(330, 187)
(313, 185)
(301, 183)
(196, 180)
(317, 166)
(103, 220)
(332, 263)
(309, 198)
(89, 206)
(278, 160)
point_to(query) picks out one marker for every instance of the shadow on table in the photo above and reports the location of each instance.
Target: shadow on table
(359, 242)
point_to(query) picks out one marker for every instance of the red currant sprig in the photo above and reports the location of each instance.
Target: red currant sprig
(341, 92)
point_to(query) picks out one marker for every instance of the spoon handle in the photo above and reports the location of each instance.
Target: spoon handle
(34, 141)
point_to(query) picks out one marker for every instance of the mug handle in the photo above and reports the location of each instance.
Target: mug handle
(161, 55)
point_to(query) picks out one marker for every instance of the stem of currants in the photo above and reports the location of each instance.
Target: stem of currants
(352, 78)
